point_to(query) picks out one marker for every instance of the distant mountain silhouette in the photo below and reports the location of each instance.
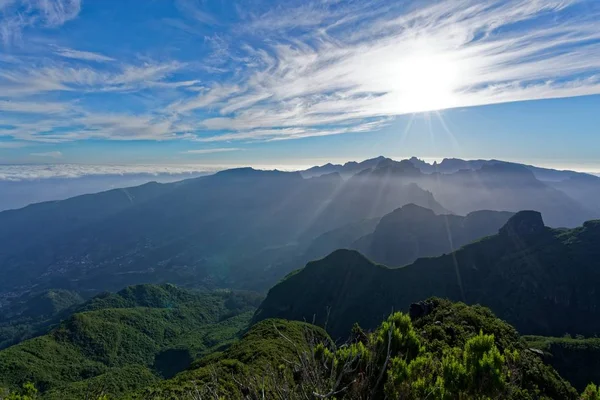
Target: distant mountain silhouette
(340, 238)
(348, 169)
(494, 186)
(539, 279)
(45, 221)
(583, 188)
(412, 232)
(190, 232)
(565, 198)
(451, 165)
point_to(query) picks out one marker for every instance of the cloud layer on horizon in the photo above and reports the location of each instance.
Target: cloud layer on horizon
(17, 173)
(293, 71)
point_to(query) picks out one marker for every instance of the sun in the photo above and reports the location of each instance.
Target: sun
(426, 80)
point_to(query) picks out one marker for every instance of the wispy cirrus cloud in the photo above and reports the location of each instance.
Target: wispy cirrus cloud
(303, 69)
(196, 10)
(33, 107)
(211, 151)
(16, 15)
(82, 55)
(56, 77)
(448, 54)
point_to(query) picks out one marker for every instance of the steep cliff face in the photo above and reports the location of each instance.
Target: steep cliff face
(524, 223)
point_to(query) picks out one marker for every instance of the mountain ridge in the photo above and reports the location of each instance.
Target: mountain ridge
(535, 277)
(189, 232)
(412, 232)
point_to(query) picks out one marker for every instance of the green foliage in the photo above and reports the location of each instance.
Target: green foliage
(484, 365)
(265, 350)
(453, 352)
(591, 392)
(120, 342)
(33, 314)
(27, 392)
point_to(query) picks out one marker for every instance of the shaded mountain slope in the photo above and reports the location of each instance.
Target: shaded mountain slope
(539, 279)
(575, 359)
(411, 232)
(43, 221)
(193, 232)
(339, 238)
(583, 188)
(368, 195)
(346, 170)
(452, 165)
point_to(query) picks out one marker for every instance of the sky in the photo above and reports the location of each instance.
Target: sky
(298, 83)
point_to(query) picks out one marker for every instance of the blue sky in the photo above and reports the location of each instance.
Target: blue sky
(299, 83)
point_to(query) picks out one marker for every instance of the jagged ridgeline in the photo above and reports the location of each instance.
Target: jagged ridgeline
(116, 343)
(448, 351)
(541, 280)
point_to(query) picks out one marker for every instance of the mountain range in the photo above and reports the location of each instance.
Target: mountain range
(400, 257)
(539, 279)
(189, 231)
(465, 186)
(215, 230)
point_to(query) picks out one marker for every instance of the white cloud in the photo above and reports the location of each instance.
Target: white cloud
(295, 132)
(26, 80)
(33, 107)
(16, 15)
(302, 70)
(444, 55)
(48, 171)
(218, 93)
(82, 55)
(210, 151)
(50, 154)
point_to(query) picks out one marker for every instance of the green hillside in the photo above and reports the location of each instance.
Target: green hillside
(541, 280)
(448, 351)
(115, 343)
(261, 352)
(33, 314)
